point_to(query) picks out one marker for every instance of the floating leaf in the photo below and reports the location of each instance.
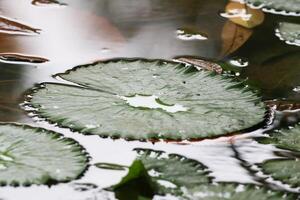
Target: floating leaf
(286, 139)
(289, 32)
(20, 58)
(285, 7)
(189, 34)
(286, 170)
(202, 64)
(187, 179)
(46, 2)
(10, 26)
(31, 155)
(143, 99)
(233, 37)
(243, 15)
(110, 166)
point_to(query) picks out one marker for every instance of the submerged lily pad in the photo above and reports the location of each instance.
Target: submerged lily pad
(140, 99)
(287, 7)
(31, 155)
(289, 32)
(186, 179)
(286, 170)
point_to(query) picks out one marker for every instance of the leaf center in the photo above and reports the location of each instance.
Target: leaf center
(152, 102)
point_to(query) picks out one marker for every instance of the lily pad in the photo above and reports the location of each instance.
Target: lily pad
(289, 32)
(141, 99)
(286, 7)
(31, 155)
(286, 170)
(186, 179)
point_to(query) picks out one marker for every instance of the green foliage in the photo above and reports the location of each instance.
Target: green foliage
(31, 155)
(207, 105)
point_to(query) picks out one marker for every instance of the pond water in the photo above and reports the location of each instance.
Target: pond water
(79, 32)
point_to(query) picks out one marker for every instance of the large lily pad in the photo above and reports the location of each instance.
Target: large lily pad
(286, 170)
(184, 178)
(37, 156)
(143, 99)
(286, 7)
(289, 32)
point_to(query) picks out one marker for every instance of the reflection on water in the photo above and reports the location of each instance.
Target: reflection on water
(85, 31)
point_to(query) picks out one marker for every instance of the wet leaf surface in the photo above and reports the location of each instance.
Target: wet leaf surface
(184, 102)
(31, 155)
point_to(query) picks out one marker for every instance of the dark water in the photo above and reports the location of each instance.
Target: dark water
(83, 31)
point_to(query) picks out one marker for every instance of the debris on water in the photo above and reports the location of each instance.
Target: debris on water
(239, 62)
(185, 34)
(202, 64)
(47, 2)
(297, 89)
(21, 58)
(10, 26)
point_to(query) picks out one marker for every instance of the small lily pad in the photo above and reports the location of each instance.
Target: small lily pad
(289, 32)
(141, 99)
(286, 170)
(286, 7)
(31, 155)
(186, 179)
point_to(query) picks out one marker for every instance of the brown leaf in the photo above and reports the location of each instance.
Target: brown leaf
(42, 2)
(14, 57)
(243, 15)
(10, 26)
(283, 105)
(233, 37)
(202, 64)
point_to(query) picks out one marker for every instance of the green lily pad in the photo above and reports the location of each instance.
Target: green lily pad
(286, 170)
(186, 179)
(285, 7)
(286, 139)
(31, 155)
(141, 99)
(289, 32)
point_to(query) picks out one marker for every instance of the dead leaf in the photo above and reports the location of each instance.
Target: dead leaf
(233, 37)
(14, 57)
(43, 2)
(283, 105)
(10, 26)
(202, 64)
(243, 15)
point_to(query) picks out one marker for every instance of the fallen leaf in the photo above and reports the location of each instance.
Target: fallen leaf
(233, 37)
(243, 15)
(14, 57)
(10, 26)
(202, 64)
(43, 2)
